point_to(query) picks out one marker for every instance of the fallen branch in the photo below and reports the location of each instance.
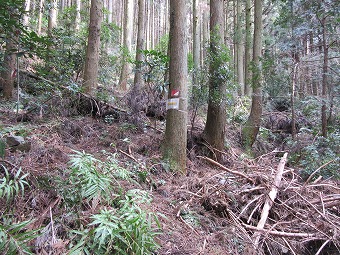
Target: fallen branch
(270, 199)
(129, 155)
(312, 174)
(226, 169)
(96, 101)
(279, 233)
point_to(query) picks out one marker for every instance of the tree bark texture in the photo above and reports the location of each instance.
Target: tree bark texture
(195, 42)
(324, 79)
(93, 46)
(7, 74)
(251, 128)
(127, 43)
(214, 130)
(247, 78)
(175, 143)
(138, 79)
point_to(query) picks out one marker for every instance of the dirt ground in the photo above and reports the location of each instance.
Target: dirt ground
(208, 210)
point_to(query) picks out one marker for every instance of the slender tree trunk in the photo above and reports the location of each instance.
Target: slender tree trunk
(41, 10)
(175, 142)
(9, 67)
(247, 79)
(93, 46)
(27, 15)
(324, 80)
(292, 100)
(52, 17)
(196, 42)
(128, 29)
(78, 17)
(138, 80)
(214, 131)
(239, 48)
(251, 128)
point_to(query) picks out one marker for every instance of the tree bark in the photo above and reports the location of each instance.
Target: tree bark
(247, 79)
(324, 79)
(41, 10)
(175, 142)
(214, 131)
(251, 128)
(9, 66)
(26, 15)
(52, 18)
(138, 80)
(239, 48)
(195, 42)
(93, 46)
(78, 17)
(127, 37)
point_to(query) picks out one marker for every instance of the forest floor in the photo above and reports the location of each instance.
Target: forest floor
(212, 209)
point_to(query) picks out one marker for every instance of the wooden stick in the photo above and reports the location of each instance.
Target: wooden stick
(226, 169)
(279, 233)
(270, 199)
(312, 174)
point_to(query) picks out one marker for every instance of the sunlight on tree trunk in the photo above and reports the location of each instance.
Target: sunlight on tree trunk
(175, 142)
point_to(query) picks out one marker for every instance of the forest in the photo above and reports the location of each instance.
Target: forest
(170, 127)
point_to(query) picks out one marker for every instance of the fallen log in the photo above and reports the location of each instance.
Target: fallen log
(270, 200)
(96, 105)
(226, 169)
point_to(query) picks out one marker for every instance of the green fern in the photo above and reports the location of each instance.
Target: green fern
(126, 230)
(14, 238)
(87, 174)
(11, 185)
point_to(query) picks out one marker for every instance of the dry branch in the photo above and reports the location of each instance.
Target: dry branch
(226, 169)
(270, 200)
(96, 101)
(279, 233)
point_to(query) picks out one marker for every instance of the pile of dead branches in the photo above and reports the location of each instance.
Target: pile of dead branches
(275, 211)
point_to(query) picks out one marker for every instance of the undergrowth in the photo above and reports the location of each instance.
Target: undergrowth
(102, 218)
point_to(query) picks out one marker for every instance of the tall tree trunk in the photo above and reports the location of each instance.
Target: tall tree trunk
(8, 69)
(195, 42)
(93, 46)
(41, 10)
(247, 78)
(52, 17)
(78, 17)
(324, 79)
(26, 15)
(239, 48)
(128, 29)
(175, 142)
(110, 15)
(251, 128)
(138, 80)
(214, 131)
